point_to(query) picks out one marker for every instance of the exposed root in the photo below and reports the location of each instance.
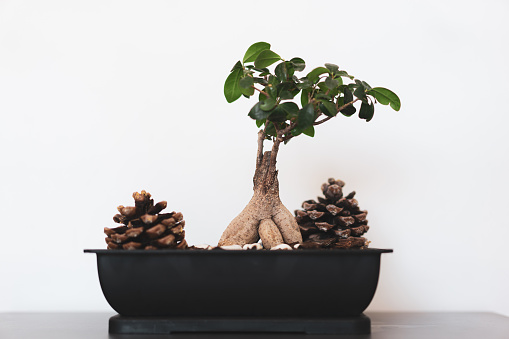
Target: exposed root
(242, 230)
(287, 225)
(269, 233)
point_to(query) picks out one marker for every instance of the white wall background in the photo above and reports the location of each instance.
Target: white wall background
(99, 99)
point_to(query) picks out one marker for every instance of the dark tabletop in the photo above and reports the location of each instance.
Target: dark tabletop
(383, 326)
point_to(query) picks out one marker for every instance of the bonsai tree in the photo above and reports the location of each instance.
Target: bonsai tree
(325, 92)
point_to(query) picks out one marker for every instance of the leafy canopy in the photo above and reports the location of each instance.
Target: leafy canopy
(324, 91)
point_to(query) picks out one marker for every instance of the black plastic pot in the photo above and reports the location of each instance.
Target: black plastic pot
(230, 283)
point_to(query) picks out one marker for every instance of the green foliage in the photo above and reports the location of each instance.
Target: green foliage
(257, 113)
(298, 64)
(328, 108)
(386, 97)
(314, 75)
(324, 92)
(231, 87)
(366, 112)
(306, 116)
(266, 58)
(255, 49)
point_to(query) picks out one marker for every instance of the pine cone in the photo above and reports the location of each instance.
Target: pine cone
(144, 227)
(335, 221)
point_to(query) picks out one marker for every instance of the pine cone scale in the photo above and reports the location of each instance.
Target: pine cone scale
(335, 221)
(144, 227)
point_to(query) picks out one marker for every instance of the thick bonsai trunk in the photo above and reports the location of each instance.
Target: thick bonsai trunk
(265, 217)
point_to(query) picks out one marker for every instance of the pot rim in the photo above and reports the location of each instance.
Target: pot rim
(326, 252)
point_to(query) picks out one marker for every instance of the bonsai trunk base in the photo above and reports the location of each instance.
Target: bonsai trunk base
(165, 325)
(265, 217)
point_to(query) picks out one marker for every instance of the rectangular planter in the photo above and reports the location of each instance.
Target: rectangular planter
(206, 284)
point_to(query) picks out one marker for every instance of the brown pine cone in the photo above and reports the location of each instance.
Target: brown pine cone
(335, 221)
(144, 227)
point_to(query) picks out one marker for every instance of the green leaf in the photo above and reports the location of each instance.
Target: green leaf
(328, 108)
(260, 122)
(304, 84)
(286, 95)
(261, 70)
(231, 86)
(246, 82)
(334, 92)
(273, 80)
(350, 110)
(294, 91)
(386, 97)
(331, 83)
(338, 79)
(366, 112)
(247, 92)
(296, 131)
(271, 129)
(332, 68)
(257, 113)
(277, 115)
(340, 101)
(304, 98)
(272, 91)
(245, 85)
(310, 131)
(281, 72)
(287, 90)
(290, 108)
(298, 64)
(290, 70)
(345, 74)
(268, 104)
(360, 91)
(254, 50)
(322, 86)
(306, 116)
(284, 70)
(323, 96)
(238, 65)
(348, 96)
(315, 74)
(266, 58)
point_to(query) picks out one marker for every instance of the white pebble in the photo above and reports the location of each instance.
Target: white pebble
(231, 247)
(296, 246)
(203, 246)
(281, 247)
(255, 246)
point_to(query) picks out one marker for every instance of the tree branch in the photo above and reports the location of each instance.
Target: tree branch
(348, 104)
(259, 90)
(339, 109)
(271, 173)
(322, 121)
(259, 153)
(288, 129)
(288, 137)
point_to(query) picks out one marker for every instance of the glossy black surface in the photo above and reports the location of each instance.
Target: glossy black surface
(321, 283)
